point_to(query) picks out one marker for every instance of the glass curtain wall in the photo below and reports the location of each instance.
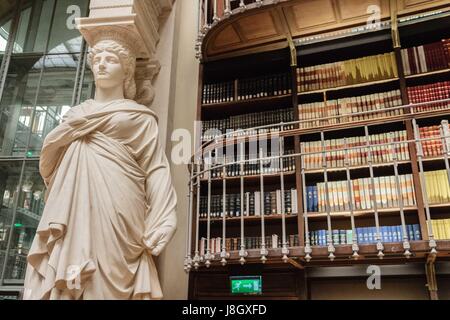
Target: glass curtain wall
(44, 75)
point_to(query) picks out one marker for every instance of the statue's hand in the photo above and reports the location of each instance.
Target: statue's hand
(159, 239)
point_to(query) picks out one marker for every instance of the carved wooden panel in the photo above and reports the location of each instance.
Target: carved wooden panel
(276, 284)
(227, 37)
(261, 25)
(350, 9)
(311, 13)
(410, 6)
(252, 29)
(312, 16)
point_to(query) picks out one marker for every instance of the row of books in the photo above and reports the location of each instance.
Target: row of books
(347, 109)
(213, 128)
(425, 58)
(265, 86)
(429, 93)
(441, 229)
(365, 235)
(249, 88)
(432, 148)
(339, 197)
(437, 186)
(218, 92)
(252, 205)
(355, 157)
(366, 69)
(234, 244)
(271, 166)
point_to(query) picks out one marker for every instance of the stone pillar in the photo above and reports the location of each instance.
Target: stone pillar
(140, 19)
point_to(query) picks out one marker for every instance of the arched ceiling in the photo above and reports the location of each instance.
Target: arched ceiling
(268, 27)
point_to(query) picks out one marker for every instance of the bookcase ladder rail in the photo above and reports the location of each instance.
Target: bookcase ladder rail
(216, 18)
(242, 6)
(404, 109)
(227, 11)
(260, 130)
(242, 252)
(380, 246)
(445, 140)
(263, 251)
(208, 256)
(355, 247)
(420, 155)
(408, 112)
(308, 250)
(224, 255)
(219, 166)
(188, 259)
(206, 25)
(406, 244)
(284, 250)
(197, 258)
(331, 248)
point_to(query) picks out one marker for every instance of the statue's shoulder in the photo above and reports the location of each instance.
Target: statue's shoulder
(142, 108)
(79, 110)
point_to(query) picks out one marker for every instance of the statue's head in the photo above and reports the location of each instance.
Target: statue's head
(113, 63)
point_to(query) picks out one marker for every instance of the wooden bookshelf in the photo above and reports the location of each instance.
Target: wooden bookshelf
(359, 213)
(319, 52)
(428, 74)
(359, 167)
(351, 86)
(268, 218)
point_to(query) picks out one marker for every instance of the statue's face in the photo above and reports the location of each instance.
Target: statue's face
(108, 70)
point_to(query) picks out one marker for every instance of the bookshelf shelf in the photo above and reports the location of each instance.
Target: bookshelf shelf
(249, 102)
(393, 251)
(359, 85)
(252, 178)
(427, 74)
(268, 218)
(359, 213)
(439, 205)
(374, 165)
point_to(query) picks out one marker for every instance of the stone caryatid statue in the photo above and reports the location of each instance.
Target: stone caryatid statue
(110, 203)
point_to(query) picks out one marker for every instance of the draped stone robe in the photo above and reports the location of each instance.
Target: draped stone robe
(109, 190)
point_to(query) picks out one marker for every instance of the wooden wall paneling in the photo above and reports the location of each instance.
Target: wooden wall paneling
(316, 16)
(277, 283)
(253, 29)
(310, 16)
(412, 6)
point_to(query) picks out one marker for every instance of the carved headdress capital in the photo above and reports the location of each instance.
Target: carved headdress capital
(118, 34)
(121, 34)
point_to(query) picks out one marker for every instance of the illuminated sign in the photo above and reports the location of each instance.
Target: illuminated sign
(246, 285)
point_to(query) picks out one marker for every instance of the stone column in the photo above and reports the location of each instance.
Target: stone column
(140, 19)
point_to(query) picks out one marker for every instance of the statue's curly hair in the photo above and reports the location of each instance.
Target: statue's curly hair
(127, 60)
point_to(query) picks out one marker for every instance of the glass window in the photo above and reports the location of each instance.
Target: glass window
(9, 191)
(30, 205)
(54, 98)
(88, 85)
(34, 26)
(4, 36)
(64, 36)
(17, 105)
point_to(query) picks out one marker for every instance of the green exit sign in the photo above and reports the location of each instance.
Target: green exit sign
(246, 285)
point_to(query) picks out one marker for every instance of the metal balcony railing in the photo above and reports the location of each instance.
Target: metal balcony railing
(204, 250)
